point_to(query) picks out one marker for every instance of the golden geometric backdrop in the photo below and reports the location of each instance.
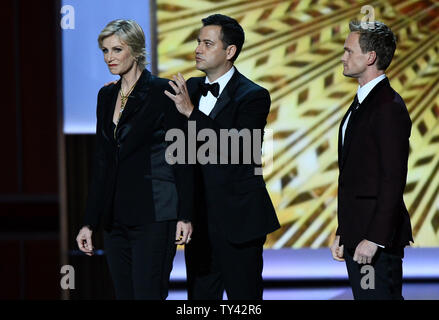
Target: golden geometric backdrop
(293, 48)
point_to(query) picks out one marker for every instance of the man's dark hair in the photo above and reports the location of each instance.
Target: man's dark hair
(231, 31)
(376, 36)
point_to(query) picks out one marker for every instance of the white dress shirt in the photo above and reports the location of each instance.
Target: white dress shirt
(362, 93)
(208, 102)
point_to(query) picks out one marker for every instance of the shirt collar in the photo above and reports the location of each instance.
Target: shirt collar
(363, 91)
(223, 80)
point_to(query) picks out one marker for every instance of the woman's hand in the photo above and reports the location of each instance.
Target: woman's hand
(84, 241)
(183, 233)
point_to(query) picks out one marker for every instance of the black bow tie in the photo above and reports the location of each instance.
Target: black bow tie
(206, 87)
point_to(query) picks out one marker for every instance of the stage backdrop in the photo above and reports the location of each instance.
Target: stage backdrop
(293, 48)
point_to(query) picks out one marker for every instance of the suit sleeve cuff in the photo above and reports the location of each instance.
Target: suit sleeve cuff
(379, 245)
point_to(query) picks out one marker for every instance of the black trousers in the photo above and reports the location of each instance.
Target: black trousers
(380, 280)
(213, 265)
(140, 259)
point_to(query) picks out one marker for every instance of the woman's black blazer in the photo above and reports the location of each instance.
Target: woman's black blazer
(131, 180)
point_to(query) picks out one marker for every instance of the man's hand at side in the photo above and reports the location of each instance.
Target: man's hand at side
(337, 250)
(365, 251)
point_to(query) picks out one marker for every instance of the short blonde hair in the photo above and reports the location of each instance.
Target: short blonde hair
(131, 34)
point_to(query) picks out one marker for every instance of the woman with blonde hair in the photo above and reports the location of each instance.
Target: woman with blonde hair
(143, 203)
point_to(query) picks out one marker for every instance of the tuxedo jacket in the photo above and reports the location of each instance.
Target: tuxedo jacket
(231, 194)
(131, 180)
(373, 171)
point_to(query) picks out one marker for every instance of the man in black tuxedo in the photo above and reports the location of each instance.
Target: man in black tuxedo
(373, 222)
(234, 212)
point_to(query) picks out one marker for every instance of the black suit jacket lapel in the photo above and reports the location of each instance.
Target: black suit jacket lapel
(136, 101)
(340, 139)
(137, 98)
(350, 132)
(109, 106)
(225, 96)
